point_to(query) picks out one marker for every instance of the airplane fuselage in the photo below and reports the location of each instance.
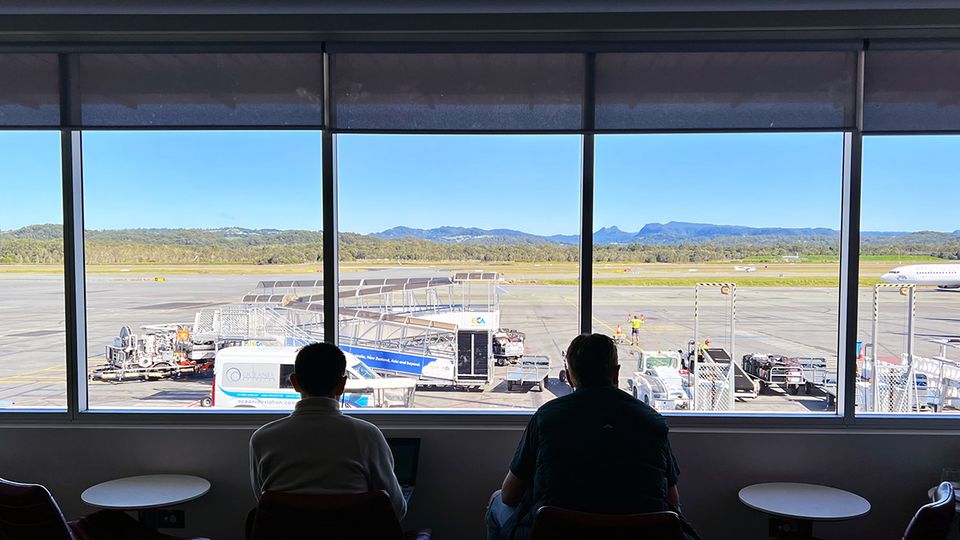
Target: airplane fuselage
(940, 275)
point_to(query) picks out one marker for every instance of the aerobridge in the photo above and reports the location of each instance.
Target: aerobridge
(364, 287)
(431, 327)
(353, 287)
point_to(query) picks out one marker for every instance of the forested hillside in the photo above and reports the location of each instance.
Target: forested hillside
(42, 244)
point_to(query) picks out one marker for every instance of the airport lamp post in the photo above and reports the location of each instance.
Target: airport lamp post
(696, 336)
(911, 377)
(733, 322)
(904, 290)
(911, 313)
(875, 375)
(731, 289)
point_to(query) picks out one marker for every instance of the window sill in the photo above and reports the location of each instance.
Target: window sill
(448, 420)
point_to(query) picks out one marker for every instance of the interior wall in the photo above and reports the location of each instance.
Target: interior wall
(460, 467)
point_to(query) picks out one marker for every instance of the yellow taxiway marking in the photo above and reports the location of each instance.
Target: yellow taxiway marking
(31, 381)
(34, 372)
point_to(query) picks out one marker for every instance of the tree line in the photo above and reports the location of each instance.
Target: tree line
(194, 246)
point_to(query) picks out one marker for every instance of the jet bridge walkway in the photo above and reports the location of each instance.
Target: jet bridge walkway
(393, 322)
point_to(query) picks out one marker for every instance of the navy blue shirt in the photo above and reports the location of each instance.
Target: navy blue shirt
(595, 450)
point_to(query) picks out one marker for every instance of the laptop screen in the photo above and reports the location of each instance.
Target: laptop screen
(406, 455)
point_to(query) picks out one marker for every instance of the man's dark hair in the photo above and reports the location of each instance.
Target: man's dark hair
(592, 358)
(319, 368)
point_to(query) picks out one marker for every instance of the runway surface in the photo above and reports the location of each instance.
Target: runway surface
(788, 321)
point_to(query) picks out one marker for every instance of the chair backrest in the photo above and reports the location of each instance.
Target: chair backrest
(933, 521)
(291, 516)
(29, 511)
(554, 523)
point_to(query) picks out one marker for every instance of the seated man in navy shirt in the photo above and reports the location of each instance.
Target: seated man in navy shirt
(595, 450)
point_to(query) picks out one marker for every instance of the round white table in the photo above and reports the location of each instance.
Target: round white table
(146, 493)
(799, 505)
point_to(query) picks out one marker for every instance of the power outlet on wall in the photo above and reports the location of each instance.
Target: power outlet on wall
(171, 519)
(783, 527)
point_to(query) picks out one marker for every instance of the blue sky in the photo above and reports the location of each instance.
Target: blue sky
(530, 183)
(757, 180)
(30, 178)
(909, 183)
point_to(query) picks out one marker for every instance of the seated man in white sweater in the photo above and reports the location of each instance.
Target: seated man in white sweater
(318, 449)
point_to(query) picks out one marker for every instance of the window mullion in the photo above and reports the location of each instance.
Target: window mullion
(331, 255)
(850, 254)
(586, 196)
(73, 267)
(331, 278)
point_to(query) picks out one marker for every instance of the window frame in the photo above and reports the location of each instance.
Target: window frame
(53, 414)
(79, 414)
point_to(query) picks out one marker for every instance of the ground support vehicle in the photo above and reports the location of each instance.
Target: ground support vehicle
(660, 381)
(892, 397)
(437, 331)
(533, 370)
(816, 374)
(900, 388)
(718, 380)
(775, 370)
(942, 375)
(160, 352)
(745, 385)
(507, 346)
(259, 378)
(862, 397)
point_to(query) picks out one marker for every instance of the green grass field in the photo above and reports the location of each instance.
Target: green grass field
(780, 274)
(690, 282)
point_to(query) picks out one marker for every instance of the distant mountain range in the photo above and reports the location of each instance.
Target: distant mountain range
(182, 237)
(452, 235)
(672, 233)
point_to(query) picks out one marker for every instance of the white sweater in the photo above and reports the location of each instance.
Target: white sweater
(318, 450)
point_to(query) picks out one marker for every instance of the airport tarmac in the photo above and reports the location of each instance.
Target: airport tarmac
(788, 321)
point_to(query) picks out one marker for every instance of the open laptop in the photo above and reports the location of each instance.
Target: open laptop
(406, 458)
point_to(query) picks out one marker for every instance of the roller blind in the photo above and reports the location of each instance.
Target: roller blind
(169, 89)
(29, 90)
(725, 90)
(457, 91)
(911, 90)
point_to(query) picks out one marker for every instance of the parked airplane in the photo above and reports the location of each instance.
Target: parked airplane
(942, 275)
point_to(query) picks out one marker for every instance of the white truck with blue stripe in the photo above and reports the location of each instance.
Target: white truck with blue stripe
(259, 378)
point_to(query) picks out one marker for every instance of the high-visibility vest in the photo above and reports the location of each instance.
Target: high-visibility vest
(636, 323)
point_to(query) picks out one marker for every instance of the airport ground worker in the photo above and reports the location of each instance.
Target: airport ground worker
(703, 349)
(635, 323)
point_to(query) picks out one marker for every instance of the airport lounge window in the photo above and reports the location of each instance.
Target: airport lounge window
(716, 268)
(458, 268)
(908, 358)
(32, 338)
(188, 234)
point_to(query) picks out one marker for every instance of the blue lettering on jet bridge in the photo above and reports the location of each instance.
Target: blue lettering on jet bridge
(389, 361)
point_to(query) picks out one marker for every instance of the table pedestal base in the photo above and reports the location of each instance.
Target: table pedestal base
(791, 529)
(149, 518)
